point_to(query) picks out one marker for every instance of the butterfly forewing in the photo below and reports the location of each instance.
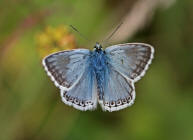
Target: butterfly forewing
(66, 67)
(131, 59)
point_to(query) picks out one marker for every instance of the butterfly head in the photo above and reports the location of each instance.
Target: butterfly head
(97, 47)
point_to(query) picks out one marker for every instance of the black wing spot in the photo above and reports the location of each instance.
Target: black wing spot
(122, 61)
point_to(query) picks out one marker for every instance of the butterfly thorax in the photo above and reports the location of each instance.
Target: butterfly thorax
(99, 66)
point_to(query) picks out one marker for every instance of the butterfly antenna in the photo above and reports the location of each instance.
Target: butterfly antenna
(79, 33)
(115, 30)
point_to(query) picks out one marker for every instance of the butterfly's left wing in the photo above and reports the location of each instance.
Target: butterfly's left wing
(126, 63)
(70, 71)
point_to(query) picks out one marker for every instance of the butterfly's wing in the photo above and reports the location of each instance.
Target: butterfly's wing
(70, 71)
(131, 59)
(83, 95)
(126, 63)
(119, 91)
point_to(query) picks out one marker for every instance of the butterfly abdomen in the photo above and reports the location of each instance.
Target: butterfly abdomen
(99, 66)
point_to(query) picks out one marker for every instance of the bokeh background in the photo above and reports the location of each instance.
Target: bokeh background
(30, 104)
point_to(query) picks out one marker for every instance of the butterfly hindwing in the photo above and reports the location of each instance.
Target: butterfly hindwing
(131, 59)
(70, 72)
(119, 92)
(83, 95)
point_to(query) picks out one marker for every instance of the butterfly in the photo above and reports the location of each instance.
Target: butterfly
(86, 78)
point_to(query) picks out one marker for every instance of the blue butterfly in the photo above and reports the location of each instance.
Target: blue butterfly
(86, 78)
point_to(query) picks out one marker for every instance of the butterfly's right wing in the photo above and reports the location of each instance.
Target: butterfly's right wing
(126, 64)
(119, 91)
(131, 59)
(70, 71)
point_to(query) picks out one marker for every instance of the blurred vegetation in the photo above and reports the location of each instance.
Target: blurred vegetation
(54, 39)
(31, 107)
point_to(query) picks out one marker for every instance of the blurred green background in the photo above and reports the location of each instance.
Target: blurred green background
(30, 104)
